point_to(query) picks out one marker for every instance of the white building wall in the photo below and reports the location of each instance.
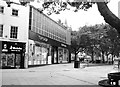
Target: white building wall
(22, 21)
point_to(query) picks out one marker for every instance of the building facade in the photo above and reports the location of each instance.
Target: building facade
(13, 34)
(28, 37)
(49, 41)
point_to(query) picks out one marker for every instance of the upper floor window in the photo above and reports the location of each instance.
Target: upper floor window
(14, 12)
(1, 9)
(14, 32)
(1, 30)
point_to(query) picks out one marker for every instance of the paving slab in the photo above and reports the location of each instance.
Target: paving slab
(58, 74)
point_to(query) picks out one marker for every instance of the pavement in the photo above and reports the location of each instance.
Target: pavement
(57, 75)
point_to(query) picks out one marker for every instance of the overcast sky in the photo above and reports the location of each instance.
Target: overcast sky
(81, 18)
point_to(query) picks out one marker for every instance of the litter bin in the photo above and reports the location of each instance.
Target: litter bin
(76, 64)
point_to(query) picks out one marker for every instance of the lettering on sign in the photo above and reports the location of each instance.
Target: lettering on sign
(43, 38)
(63, 45)
(15, 48)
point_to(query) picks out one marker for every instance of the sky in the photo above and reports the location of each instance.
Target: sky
(82, 18)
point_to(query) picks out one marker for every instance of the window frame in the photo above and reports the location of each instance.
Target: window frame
(15, 13)
(1, 9)
(1, 30)
(14, 32)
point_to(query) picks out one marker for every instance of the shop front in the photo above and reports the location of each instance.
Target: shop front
(63, 55)
(38, 50)
(38, 53)
(12, 54)
(44, 50)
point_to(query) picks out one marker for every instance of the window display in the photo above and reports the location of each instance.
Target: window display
(40, 53)
(10, 60)
(7, 60)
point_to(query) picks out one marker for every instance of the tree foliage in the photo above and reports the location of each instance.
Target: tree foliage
(56, 7)
(98, 40)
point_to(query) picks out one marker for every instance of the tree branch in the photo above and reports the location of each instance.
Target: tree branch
(109, 17)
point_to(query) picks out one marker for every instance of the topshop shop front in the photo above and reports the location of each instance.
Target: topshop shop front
(43, 50)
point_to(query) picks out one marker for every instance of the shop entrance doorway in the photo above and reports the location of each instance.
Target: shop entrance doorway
(17, 60)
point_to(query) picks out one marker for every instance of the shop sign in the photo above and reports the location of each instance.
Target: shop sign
(63, 45)
(12, 48)
(43, 38)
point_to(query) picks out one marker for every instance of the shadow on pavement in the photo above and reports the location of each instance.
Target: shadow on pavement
(94, 64)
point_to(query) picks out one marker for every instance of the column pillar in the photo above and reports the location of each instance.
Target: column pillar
(69, 56)
(57, 54)
(52, 54)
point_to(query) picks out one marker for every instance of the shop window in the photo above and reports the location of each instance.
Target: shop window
(1, 30)
(1, 9)
(13, 32)
(53, 37)
(56, 38)
(47, 34)
(50, 35)
(40, 31)
(37, 30)
(14, 12)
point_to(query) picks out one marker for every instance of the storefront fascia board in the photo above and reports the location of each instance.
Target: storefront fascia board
(13, 47)
(37, 37)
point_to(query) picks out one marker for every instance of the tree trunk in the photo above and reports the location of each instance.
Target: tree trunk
(103, 57)
(92, 56)
(109, 17)
(112, 57)
(107, 56)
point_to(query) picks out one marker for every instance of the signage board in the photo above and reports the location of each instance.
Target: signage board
(40, 38)
(12, 47)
